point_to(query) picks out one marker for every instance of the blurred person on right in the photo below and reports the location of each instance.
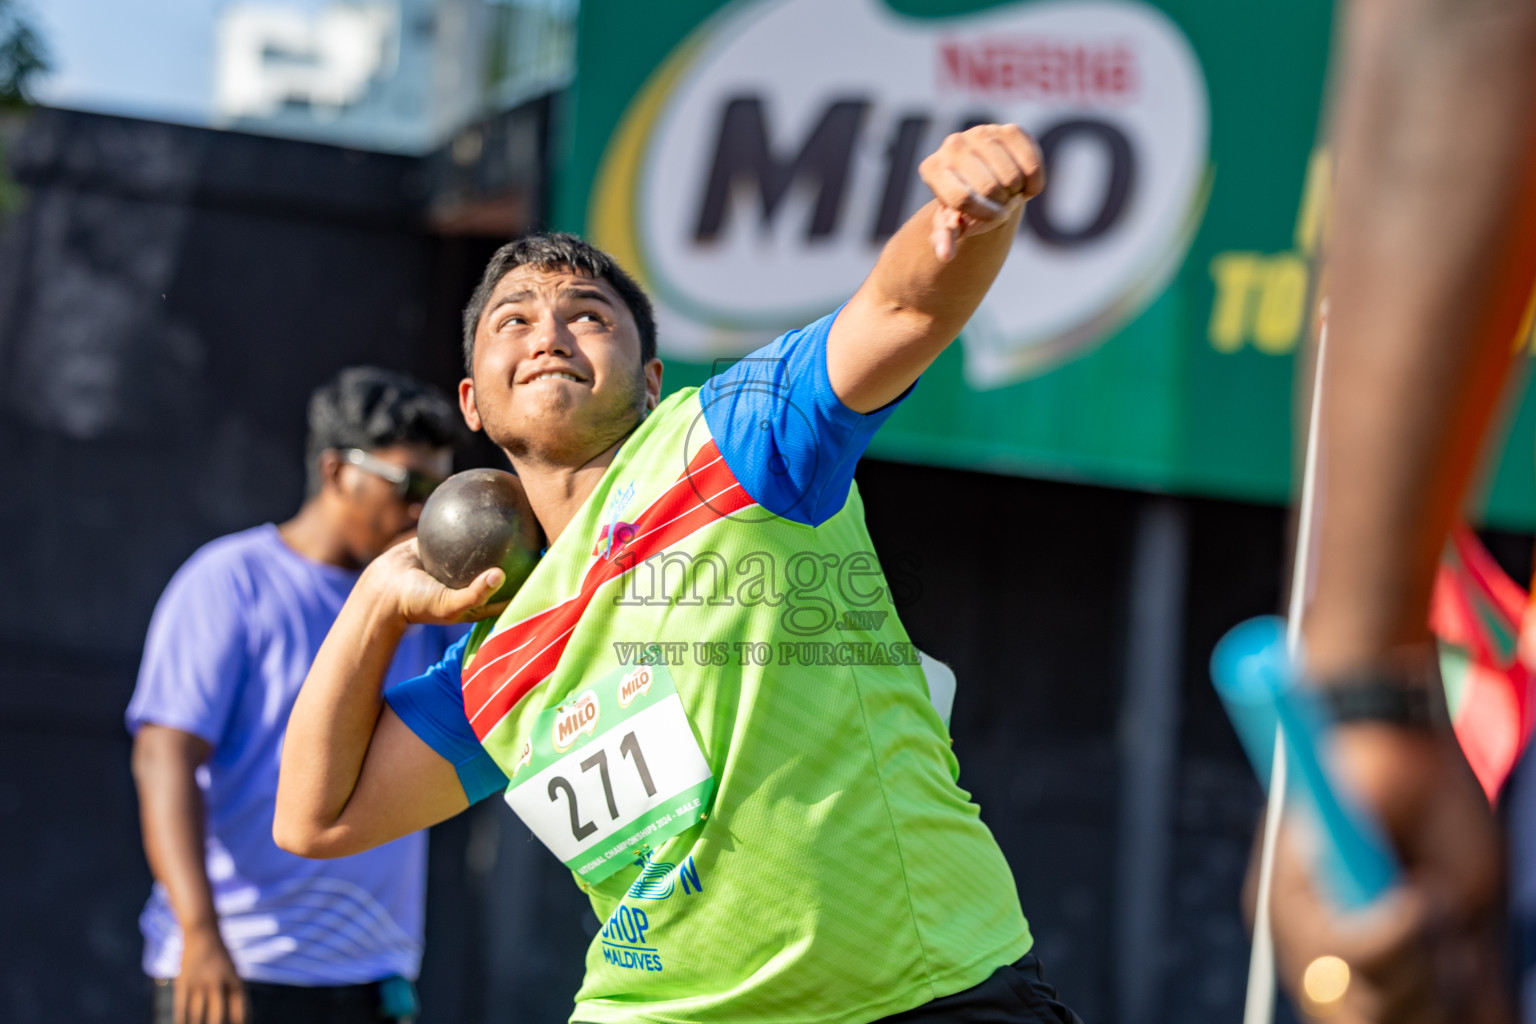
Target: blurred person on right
(1431, 258)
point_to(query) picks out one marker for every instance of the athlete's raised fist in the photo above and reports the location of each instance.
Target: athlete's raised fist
(981, 177)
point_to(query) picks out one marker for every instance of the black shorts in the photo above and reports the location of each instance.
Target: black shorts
(1015, 994)
(288, 1004)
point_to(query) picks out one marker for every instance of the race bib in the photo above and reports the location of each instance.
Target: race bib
(613, 769)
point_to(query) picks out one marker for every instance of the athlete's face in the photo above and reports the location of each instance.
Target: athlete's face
(557, 373)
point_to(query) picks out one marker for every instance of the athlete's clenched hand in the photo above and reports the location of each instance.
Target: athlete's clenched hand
(398, 575)
(980, 176)
(1428, 952)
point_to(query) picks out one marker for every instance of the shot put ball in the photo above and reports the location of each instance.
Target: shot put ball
(476, 520)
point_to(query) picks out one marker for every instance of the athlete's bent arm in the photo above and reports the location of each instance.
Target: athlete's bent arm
(935, 270)
(353, 775)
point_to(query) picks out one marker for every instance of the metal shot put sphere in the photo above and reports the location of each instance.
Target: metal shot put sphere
(476, 520)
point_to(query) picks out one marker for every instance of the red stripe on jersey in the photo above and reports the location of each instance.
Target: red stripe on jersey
(517, 659)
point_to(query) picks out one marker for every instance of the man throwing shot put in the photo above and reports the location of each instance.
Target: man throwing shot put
(751, 785)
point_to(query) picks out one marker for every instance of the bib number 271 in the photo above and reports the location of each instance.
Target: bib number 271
(629, 748)
(614, 767)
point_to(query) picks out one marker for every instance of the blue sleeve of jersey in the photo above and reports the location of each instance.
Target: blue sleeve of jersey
(432, 706)
(784, 432)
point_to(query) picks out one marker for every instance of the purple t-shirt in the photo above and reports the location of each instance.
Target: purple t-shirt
(230, 643)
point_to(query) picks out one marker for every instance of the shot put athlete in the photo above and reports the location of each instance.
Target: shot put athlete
(702, 699)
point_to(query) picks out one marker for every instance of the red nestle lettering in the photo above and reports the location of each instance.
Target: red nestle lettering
(1042, 69)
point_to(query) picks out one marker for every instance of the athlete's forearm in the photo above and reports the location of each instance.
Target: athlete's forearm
(936, 269)
(351, 777)
(171, 816)
(910, 308)
(1432, 258)
(939, 296)
(334, 718)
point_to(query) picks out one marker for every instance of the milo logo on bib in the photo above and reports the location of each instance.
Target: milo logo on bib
(575, 720)
(599, 796)
(523, 759)
(636, 684)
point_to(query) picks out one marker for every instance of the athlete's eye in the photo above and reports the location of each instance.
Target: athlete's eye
(514, 319)
(589, 317)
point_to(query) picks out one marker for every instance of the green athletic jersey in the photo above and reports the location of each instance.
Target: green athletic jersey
(830, 868)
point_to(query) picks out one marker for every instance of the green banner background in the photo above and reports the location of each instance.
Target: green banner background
(1159, 405)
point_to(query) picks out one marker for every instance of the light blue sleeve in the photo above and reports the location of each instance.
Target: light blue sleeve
(195, 657)
(432, 706)
(783, 431)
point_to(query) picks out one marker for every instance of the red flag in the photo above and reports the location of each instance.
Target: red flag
(1477, 613)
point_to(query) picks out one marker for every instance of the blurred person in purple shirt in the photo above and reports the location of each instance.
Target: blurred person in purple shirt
(236, 930)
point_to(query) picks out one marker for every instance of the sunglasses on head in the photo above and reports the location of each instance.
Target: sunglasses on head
(410, 486)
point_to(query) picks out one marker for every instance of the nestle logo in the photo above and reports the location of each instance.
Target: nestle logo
(574, 719)
(1039, 69)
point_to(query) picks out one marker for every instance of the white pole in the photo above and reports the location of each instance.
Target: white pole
(1260, 1005)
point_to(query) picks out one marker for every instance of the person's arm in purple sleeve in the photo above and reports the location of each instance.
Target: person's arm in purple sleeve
(193, 660)
(165, 762)
(936, 269)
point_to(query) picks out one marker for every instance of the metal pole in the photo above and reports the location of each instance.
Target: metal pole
(1260, 1005)
(1149, 737)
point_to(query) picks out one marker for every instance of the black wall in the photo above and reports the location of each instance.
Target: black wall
(169, 297)
(1025, 592)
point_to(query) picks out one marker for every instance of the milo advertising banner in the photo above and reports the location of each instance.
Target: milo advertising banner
(748, 159)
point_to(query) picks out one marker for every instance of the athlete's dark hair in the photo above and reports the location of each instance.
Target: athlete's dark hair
(559, 251)
(368, 408)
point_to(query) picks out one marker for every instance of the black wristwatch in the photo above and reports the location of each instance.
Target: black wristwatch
(1387, 699)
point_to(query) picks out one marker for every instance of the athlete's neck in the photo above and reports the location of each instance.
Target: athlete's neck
(557, 492)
